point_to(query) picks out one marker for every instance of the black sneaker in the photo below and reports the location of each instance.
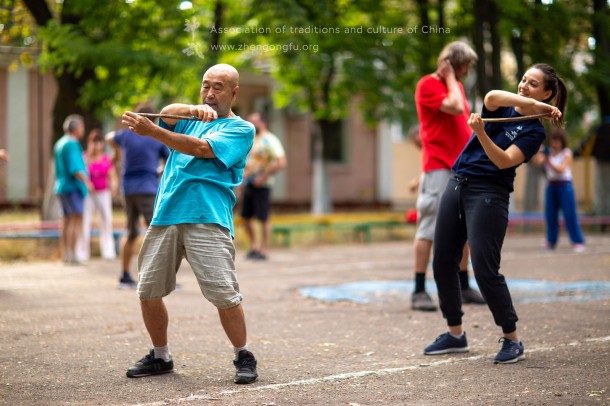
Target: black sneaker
(256, 255)
(245, 366)
(422, 301)
(127, 283)
(472, 296)
(149, 365)
(259, 256)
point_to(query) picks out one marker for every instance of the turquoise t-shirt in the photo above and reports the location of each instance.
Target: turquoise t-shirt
(68, 161)
(200, 190)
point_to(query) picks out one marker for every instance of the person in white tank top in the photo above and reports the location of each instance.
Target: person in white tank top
(557, 165)
(557, 161)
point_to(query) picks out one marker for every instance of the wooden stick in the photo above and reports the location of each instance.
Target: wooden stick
(507, 119)
(486, 120)
(151, 115)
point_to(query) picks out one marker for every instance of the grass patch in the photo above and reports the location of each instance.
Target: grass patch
(28, 250)
(48, 249)
(19, 216)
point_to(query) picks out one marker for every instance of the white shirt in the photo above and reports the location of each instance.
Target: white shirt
(556, 160)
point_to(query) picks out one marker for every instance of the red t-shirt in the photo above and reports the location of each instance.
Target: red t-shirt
(443, 135)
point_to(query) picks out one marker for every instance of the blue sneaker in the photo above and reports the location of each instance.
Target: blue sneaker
(446, 343)
(510, 353)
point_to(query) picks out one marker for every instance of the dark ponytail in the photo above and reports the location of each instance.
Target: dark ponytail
(559, 91)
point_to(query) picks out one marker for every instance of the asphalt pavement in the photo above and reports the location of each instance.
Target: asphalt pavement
(69, 334)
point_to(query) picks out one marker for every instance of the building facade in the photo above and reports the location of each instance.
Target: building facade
(370, 167)
(26, 105)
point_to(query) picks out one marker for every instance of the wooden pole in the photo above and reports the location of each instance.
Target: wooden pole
(151, 115)
(507, 119)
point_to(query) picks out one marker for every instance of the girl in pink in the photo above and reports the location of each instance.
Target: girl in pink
(104, 179)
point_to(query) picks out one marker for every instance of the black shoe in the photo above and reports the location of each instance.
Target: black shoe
(260, 256)
(245, 366)
(422, 301)
(472, 296)
(127, 283)
(149, 365)
(256, 255)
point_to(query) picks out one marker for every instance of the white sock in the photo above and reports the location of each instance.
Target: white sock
(69, 256)
(163, 353)
(236, 350)
(457, 336)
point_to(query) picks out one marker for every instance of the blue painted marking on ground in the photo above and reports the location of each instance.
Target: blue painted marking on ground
(522, 291)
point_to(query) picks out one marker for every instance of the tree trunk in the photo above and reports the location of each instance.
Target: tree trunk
(478, 37)
(516, 43)
(486, 21)
(441, 13)
(496, 44)
(214, 52)
(601, 32)
(39, 10)
(68, 86)
(425, 48)
(532, 172)
(320, 193)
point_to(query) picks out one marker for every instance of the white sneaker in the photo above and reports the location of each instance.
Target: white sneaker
(579, 248)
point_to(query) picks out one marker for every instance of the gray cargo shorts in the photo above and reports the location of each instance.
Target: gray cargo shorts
(208, 248)
(431, 187)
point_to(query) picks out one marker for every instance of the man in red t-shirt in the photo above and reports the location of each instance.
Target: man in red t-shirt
(443, 114)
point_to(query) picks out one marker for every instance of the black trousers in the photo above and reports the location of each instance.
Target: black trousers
(473, 210)
(256, 202)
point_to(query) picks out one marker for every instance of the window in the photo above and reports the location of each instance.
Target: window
(333, 140)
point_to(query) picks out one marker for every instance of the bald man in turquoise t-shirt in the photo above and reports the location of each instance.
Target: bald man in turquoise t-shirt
(193, 217)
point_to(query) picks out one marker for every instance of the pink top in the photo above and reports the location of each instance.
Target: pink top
(98, 172)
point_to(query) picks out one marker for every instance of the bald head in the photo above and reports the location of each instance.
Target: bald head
(224, 70)
(219, 88)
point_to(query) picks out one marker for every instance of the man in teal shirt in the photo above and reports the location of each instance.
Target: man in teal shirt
(72, 183)
(193, 217)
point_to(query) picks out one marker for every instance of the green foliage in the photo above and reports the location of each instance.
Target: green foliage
(16, 30)
(134, 49)
(555, 34)
(15, 24)
(127, 52)
(370, 51)
(326, 53)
